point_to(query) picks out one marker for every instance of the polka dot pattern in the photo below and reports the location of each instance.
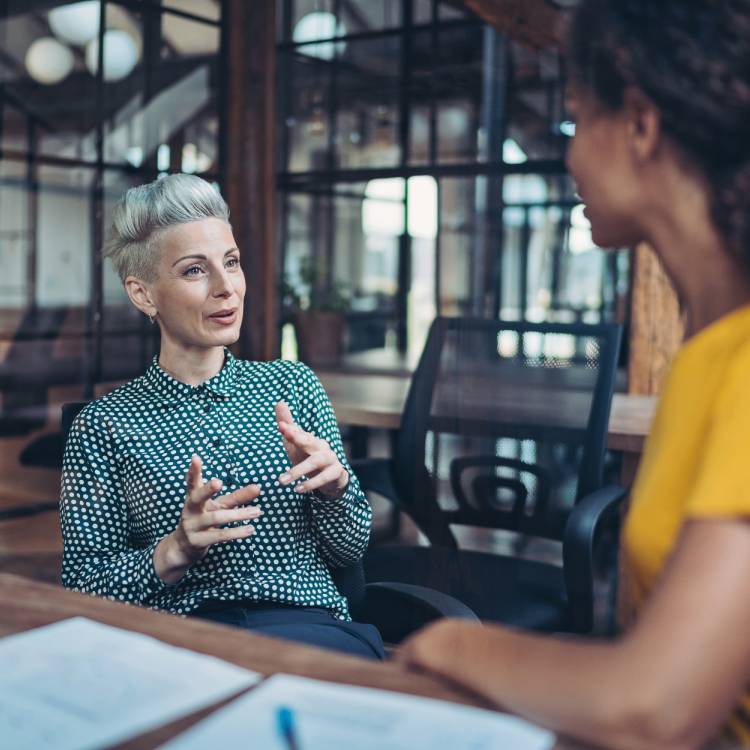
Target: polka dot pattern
(123, 487)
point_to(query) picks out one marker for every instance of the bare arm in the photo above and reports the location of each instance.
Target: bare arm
(668, 684)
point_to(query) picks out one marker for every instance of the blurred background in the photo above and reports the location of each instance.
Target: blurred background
(385, 161)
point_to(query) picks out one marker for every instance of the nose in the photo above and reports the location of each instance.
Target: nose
(222, 286)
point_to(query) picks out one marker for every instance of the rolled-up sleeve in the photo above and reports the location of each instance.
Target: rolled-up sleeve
(341, 527)
(98, 554)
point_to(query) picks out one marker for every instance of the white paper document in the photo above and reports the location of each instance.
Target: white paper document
(78, 684)
(329, 716)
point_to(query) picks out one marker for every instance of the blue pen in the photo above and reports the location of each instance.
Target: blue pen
(285, 723)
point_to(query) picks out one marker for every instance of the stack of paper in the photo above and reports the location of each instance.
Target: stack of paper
(79, 684)
(329, 716)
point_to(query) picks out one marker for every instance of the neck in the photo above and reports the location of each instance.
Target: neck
(191, 365)
(710, 282)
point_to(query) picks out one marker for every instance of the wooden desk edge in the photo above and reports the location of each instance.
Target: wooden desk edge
(26, 604)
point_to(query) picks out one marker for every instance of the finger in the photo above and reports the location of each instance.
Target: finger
(193, 477)
(216, 518)
(295, 454)
(197, 497)
(239, 497)
(329, 476)
(318, 461)
(283, 413)
(214, 536)
(305, 441)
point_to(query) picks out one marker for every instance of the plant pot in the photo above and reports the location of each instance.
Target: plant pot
(320, 336)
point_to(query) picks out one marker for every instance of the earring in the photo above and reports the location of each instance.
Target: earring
(151, 318)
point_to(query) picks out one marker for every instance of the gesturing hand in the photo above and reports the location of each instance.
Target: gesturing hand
(311, 457)
(201, 523)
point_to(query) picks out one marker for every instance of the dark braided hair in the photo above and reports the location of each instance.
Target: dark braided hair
(692, 59)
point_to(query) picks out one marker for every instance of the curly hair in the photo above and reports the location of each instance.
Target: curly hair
(692, 59)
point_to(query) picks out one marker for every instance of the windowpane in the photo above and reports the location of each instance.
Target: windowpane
(458, 93)
(162, 116)
(535, 108)
(367, 91)
(15, 236)
(46, 83)
(63, 236)
(347, 237)
(305, 104)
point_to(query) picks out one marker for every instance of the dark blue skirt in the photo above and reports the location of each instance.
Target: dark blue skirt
(312, 626)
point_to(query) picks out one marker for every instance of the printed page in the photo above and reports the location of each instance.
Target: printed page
(78, 684)
(327, 715)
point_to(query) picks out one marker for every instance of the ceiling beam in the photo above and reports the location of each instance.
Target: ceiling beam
(534, 23)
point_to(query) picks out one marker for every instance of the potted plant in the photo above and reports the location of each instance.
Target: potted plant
(318, 312)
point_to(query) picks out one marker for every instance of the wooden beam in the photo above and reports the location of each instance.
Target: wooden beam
(250, 165)
(534, 23)
(656, 327)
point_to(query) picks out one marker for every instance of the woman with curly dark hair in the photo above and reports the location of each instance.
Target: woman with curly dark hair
(660, 90)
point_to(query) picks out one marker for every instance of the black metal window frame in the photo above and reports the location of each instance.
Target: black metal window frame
(332, 177)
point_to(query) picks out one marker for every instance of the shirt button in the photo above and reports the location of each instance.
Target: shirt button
(207, 408)
(217, 442)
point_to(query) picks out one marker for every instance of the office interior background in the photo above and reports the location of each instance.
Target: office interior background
(408, 158)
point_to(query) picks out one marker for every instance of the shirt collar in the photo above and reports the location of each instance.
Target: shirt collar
(222, 384)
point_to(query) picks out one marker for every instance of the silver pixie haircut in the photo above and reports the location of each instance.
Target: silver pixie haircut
(147, 210)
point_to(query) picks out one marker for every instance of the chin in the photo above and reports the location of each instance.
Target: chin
(613, 236)
(227, 338)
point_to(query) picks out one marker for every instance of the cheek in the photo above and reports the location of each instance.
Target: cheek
(240, 284)
(181, 299)
(580, 161)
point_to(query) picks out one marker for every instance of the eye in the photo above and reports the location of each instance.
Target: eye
(193, 271)
(233, 262)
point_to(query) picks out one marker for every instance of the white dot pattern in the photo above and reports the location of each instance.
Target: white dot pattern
(123, 487)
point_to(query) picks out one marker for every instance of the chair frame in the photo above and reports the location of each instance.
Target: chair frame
(405, 481)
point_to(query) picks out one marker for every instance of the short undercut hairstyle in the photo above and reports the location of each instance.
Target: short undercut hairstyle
(146, 211)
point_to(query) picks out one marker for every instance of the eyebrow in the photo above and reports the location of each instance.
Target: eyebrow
(204, 257)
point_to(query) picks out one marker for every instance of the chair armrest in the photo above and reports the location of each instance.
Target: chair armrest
(398, 609)
(590, 515)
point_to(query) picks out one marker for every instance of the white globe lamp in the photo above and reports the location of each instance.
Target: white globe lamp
(319, 25)
(48, 61)
(77, 23)
(120, 55)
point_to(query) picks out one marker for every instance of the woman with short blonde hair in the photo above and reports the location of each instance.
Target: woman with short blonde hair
(210, 485)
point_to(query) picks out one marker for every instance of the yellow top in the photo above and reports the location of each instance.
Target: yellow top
(696, 463)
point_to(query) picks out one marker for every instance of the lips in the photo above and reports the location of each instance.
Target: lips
(224, 317)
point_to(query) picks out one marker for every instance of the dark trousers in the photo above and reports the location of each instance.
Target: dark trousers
(312, 626)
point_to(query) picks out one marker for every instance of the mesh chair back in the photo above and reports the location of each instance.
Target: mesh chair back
(505, 424)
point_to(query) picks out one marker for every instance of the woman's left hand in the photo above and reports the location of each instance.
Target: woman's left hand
(311, 457)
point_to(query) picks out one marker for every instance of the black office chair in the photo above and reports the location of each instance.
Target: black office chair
(504, 427)
(396, 609)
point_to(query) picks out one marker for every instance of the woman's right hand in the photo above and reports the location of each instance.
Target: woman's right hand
(201, 523)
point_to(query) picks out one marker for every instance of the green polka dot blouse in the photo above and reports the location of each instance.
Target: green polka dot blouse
(123, 487)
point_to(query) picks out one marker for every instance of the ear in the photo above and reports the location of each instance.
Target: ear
(643, 121)
(140, 295)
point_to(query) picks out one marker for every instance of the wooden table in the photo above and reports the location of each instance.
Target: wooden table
(377, 401)
(26, 604)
